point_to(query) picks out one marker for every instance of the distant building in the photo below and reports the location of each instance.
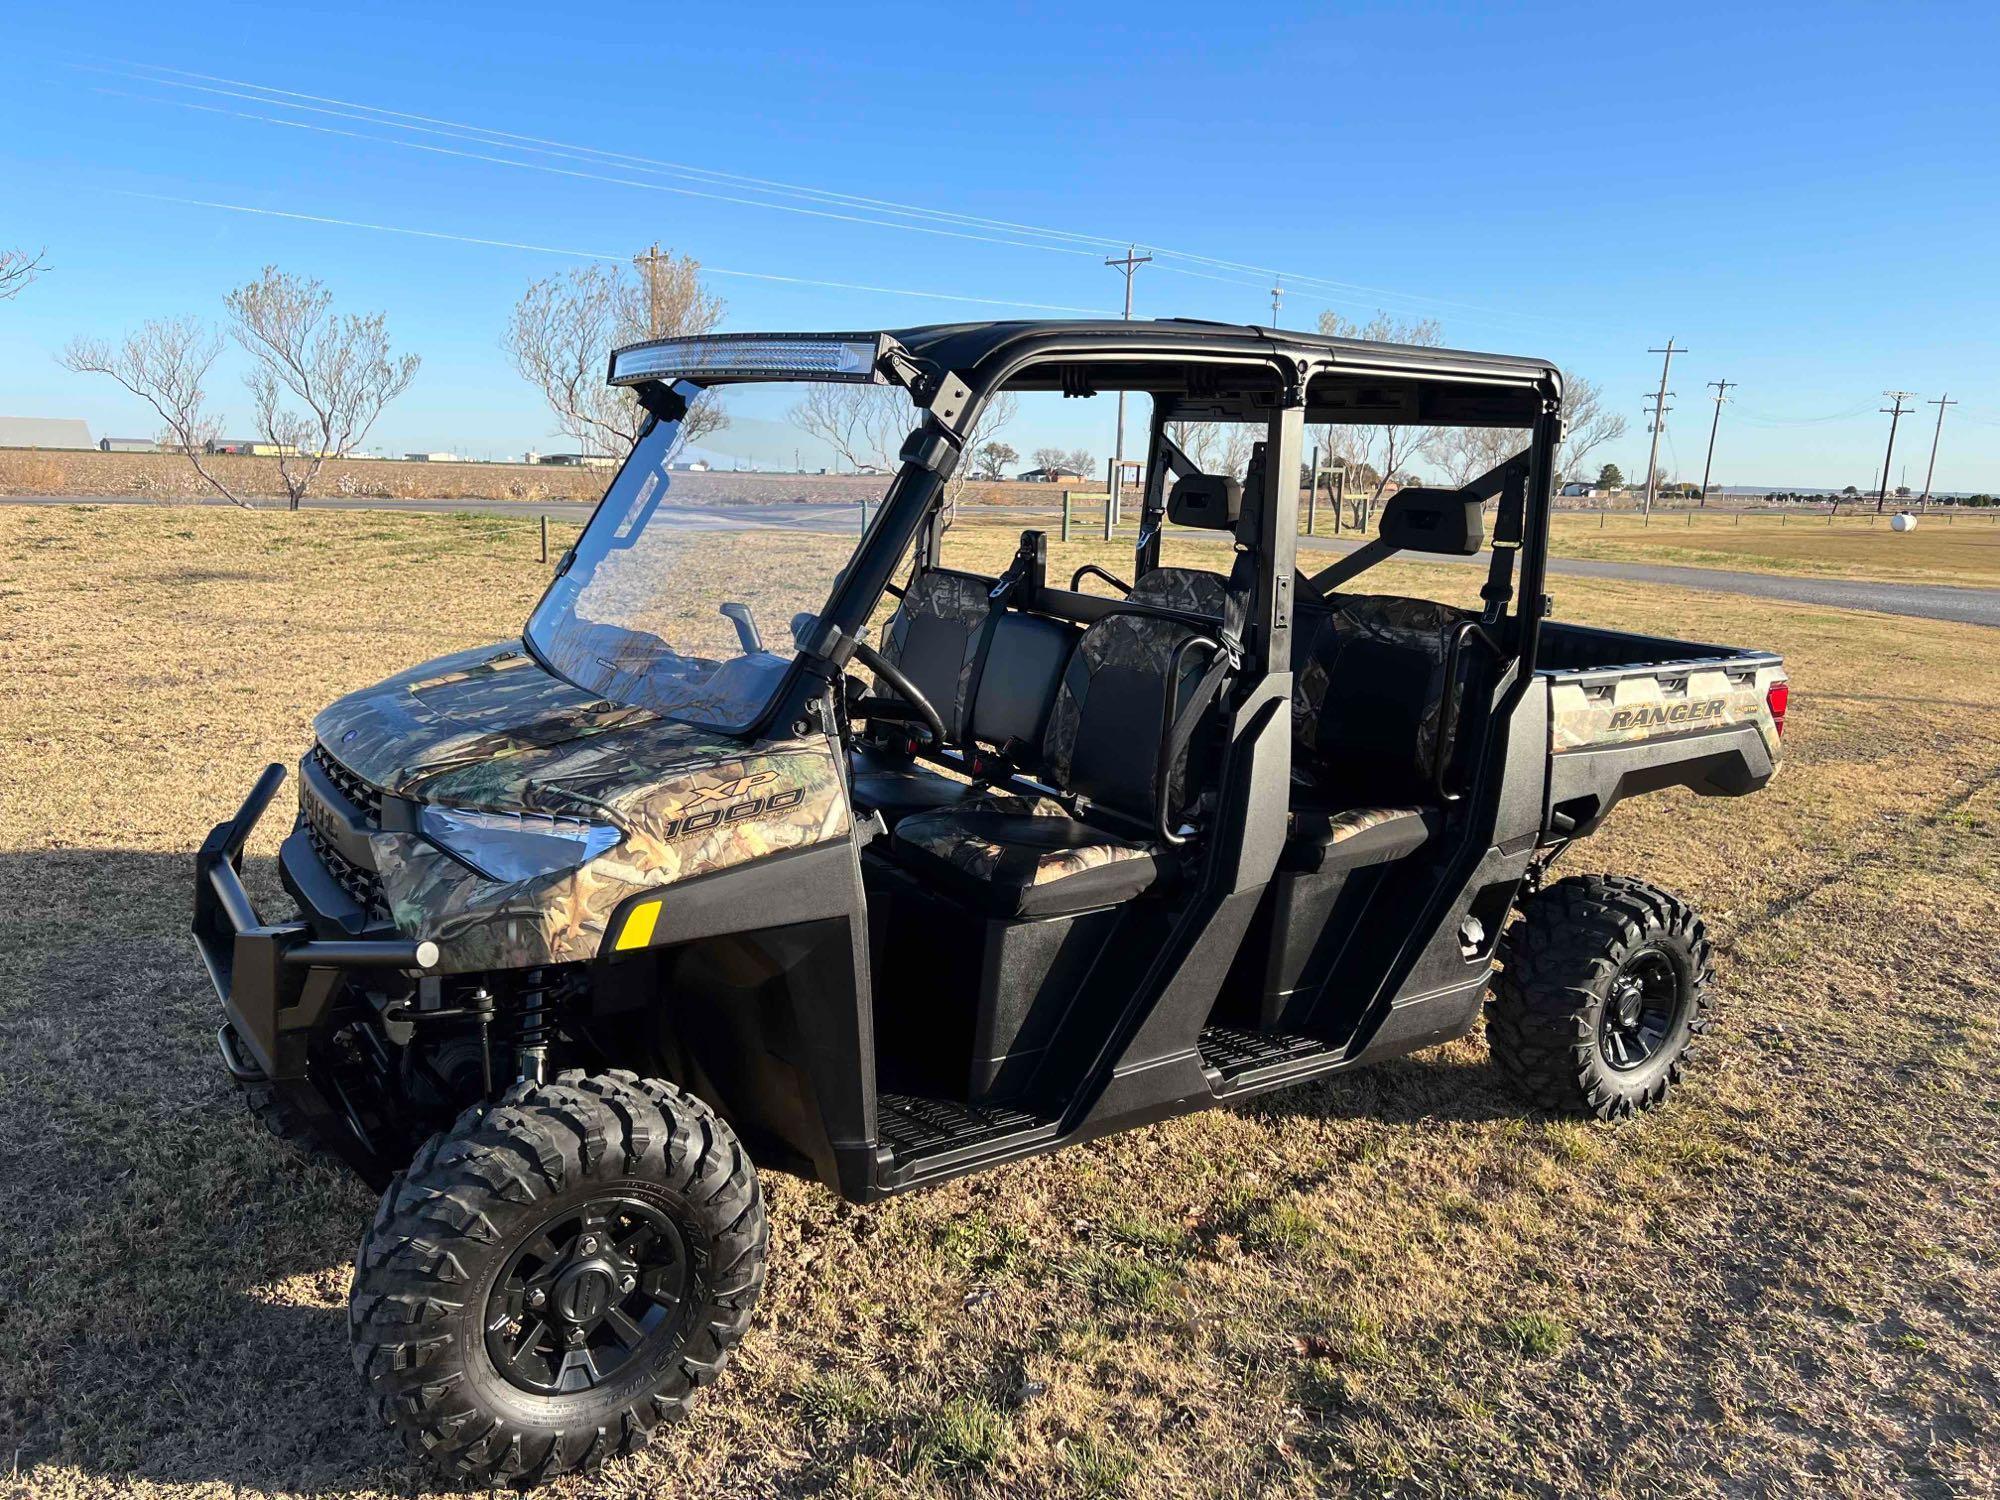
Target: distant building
(1050, 476)
(252, 448)
(579, 460)
(431, 458)
(45, 432)
(693, 466)
(128, 445)
(1581, 488)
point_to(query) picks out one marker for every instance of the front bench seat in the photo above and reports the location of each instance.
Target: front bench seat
(1015, 856)
(1027, 857)
(935, 639)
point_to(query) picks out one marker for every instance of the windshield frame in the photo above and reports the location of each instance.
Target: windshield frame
(666, 408)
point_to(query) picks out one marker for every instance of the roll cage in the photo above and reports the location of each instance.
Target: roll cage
(1194, 370)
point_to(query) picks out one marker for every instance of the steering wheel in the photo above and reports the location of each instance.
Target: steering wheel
(887, 671)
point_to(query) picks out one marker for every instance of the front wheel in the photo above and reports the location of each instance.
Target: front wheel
(555, 1275)
(1603, 987)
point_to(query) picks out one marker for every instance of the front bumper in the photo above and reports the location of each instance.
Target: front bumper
(278, 982)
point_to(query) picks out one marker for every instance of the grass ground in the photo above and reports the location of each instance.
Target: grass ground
(1965, 550)
(1394, 1282)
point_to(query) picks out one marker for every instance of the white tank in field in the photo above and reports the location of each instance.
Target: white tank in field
(1902, 521)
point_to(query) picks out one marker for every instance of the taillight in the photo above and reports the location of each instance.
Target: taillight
(1779, 696)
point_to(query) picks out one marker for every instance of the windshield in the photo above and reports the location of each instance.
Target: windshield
(692, 587)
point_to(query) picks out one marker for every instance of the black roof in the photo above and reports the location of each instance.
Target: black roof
(962, 346)
(1347, 380)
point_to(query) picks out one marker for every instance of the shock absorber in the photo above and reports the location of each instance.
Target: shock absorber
(531, 1041)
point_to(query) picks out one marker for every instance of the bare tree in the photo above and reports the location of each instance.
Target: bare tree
(561, 333)
(993, 459)
(1079, 461)
(864, 424)
(1587, 424)
(319, 379)
(1215, 447)
(17, 269)
(164, 364)
(1050, 459)
(1384, 447)
(1200, 441)
(1464, 453)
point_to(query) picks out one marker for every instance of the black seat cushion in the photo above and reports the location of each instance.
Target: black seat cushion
(895, 786)
(1012, 856)
(1321, 838)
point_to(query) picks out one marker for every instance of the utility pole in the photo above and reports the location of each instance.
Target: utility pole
(1721, 395)
(1931, 473)
(1277, 296)
(1129, 263)
(649, 267)
(1895, 412)
(1659, 422)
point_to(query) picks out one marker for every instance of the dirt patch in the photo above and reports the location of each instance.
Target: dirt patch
(1394, 1282)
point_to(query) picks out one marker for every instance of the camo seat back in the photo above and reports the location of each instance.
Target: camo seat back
(1104, 732)
(1368, 693)
(935, 638)
(1191, 589)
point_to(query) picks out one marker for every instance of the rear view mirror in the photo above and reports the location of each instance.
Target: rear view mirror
(1424, 520)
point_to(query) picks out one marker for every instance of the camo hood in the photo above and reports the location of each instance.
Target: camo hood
(463, 710)
(491, 730)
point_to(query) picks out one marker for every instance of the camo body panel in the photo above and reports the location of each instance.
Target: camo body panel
(1189, 589)
(1631, 709)
(489, 730)
(995, 836)
(1419, 627)
(961, 600)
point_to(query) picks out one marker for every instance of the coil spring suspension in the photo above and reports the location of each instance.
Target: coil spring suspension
(531, 1038)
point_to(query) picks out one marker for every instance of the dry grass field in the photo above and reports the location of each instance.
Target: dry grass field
(1964, 550)
(1394, 1282)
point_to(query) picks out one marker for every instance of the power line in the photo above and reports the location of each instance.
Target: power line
(393, 119)
(605, 255)
(1930, 473)
(1658, 412)
(1721, 395)
(1895, 412)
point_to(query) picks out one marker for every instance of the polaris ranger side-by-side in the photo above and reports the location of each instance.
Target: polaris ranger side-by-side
(593, 920)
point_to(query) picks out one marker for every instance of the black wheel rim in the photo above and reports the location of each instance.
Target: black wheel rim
(1640, 1011)
(589, 1291)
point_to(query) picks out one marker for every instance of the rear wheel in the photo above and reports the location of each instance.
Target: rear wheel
(556, 1275)
(1603, 988)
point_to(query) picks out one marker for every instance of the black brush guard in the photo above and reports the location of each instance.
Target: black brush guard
(278, 983)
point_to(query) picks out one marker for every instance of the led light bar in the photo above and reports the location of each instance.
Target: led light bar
(751, 356)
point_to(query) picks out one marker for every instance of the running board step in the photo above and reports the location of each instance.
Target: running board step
(1244, 1058)
(929, 1135)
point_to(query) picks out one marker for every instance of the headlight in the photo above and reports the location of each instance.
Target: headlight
(515, 846)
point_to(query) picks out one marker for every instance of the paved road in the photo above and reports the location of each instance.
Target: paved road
(1971, 606)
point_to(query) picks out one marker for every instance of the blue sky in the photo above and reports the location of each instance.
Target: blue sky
(1805, 196)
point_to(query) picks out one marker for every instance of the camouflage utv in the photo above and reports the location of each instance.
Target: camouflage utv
(592, 921)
